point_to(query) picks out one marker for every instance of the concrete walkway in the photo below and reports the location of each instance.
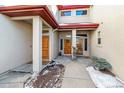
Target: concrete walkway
(13, 79)
(75, 75)
(16, 77)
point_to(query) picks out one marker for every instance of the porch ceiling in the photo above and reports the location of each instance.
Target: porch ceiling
(29, 21)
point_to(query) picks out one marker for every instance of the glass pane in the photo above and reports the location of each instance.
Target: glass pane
(85, 44)
(99, 40)
(61, 44)
(84, 35)
(66, 13)
(79, 44)
(81, 12)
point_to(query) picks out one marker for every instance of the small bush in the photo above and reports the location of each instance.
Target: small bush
(101, 64)
(94, 58)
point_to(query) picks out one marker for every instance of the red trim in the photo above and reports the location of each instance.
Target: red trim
(44, 12)
(20, 7)
(78, 26)
(30, 10)
(66, 7)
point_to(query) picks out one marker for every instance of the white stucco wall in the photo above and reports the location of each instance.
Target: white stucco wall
(112, 34)
(15, 43)
(73, 18)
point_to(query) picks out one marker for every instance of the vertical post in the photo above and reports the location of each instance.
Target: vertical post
(73, 41)
(50, 44)
(37, 44)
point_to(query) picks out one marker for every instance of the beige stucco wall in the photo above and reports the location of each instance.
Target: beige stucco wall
(55, 44)
(73, 18)
(111, 19)
(15, 43)
(54, 11)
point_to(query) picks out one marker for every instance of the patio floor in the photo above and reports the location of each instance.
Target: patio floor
(16, 77)
(13, 79)
(75, 75)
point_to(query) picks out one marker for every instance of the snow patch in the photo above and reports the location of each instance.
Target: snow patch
(102, 80)
(45, 72)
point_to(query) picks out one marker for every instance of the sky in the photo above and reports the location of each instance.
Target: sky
(61, 2)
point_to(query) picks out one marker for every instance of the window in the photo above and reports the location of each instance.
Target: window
(81, 12)
(66, 13)
(99, 41)
(84, 35)
(85, 41)
(99, 38)
(61, 44)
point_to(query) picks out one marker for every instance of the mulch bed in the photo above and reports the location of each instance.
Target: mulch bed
(49, 77)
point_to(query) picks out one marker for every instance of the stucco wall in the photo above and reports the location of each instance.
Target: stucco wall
(54, 11)
(15, 43)
(73, 18)
(111, 19)
(55, 45)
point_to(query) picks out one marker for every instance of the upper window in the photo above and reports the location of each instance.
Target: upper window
(81, 12)
(99, 38)
(99, 41)
(66, 13)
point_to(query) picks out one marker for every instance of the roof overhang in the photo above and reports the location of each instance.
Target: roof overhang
(66, 7)
(30, 10)
(45, 13)
(91, 26)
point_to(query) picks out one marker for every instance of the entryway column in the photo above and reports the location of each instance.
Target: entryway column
(37, 44)
(50, 43)
(73, 41)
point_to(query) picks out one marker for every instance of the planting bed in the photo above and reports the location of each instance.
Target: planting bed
(49, 77)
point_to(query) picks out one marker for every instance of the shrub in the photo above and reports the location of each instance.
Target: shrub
(101, 64)
(94, 58)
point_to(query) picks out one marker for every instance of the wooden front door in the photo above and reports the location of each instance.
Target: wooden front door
(45, 49)
(67, 46)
